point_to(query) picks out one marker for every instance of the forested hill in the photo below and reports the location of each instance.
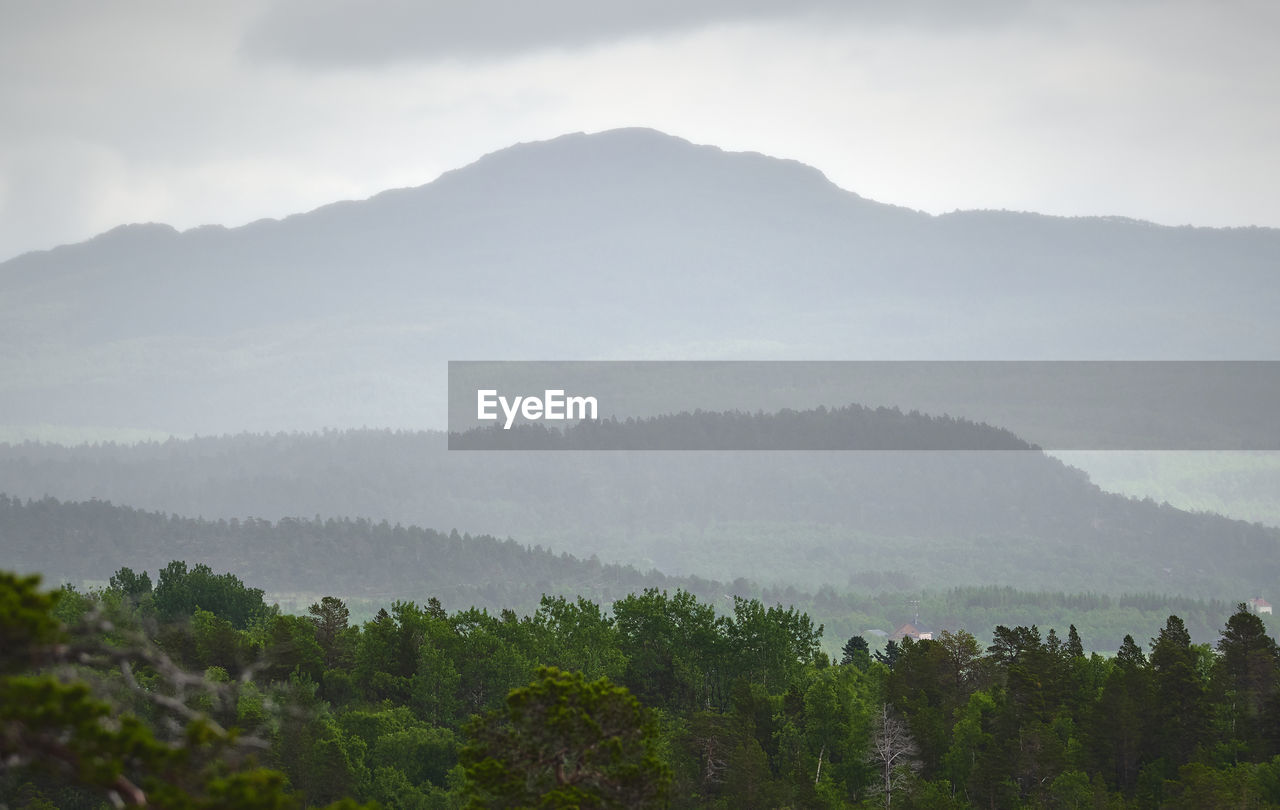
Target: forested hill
(357, 558)
(851, 427)
(374, 565)
(871, 520)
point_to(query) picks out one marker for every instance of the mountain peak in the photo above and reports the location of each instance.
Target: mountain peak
(639, 155)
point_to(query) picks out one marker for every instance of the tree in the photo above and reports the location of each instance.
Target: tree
(291, 646)
(857, 652)
(1180, 713)
(1130, 655)
(1075, 649)
(889, 656)
(179, 592)
(893, 752)
(134, 586)
(1118, 719)
(579, 636)
(674, 649)
(965, 655)
(563, 742)
(769, 646)
(330, 616)
(1245, 673)
(59, 720)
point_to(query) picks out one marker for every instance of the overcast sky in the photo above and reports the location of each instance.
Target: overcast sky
(194, 113)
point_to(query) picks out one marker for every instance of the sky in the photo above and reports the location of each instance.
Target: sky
(199, 113)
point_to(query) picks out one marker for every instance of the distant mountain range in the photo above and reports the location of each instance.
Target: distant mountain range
(871, 521)
(298, 560)
(628, 244)
(624, 244)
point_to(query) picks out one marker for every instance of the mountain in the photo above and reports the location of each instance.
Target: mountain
(298, 560)
(622, 244)
(871, 521)
(89, 541)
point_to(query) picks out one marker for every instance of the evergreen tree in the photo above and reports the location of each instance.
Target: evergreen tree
(562, 742)
(856, 651)
(1074, 648)
(1179, 713)
(1245, 675)
(889, 656)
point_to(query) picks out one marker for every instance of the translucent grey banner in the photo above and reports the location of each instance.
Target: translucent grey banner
(864, 405)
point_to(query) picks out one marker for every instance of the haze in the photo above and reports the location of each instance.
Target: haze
(194, 114)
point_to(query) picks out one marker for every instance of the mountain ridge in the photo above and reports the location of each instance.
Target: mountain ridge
(624, 244)
(802, 518)
(523, 149)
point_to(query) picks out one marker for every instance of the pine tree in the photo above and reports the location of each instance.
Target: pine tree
(856, 651)
(1074, 648)
(1179, 712)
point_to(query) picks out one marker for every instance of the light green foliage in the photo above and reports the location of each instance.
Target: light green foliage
(967, 762)
(492, 656)
(770, 646)
(671, 644)
(580, 636)
(838, 706)
(1071, 790)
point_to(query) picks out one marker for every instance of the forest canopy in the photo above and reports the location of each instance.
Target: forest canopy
(193, 692)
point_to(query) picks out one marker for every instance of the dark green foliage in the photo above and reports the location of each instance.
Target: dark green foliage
(179, 593)
(56, 723)
(672, 645)
(890, 654)
(564, 742)
(132, 585)
(1245, 679)
(26, 621)
(733, 709)
(1074, 648)
(1180, 713)
(290, 647)
(330, 616)
(856, 652)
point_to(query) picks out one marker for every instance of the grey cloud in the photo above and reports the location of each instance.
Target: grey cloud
(349, 32)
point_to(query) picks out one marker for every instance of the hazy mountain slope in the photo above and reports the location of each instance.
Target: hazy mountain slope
(623, 244)
(873, 520)
(297, 561)
(91, 540)
(1240, 484)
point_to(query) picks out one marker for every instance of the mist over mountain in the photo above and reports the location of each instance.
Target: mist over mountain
(867, 520)
(623, 244)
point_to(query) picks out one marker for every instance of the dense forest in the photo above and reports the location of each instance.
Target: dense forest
(190, 691)
(808, 519)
